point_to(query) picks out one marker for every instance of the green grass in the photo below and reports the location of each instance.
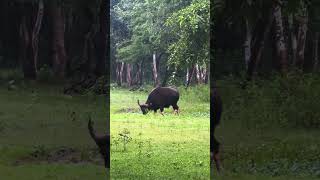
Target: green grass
(270, 129)
(37, 120)
(264, 133)
(160, 147)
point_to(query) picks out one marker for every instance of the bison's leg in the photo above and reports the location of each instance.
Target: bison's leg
(161, 111)
(216, 153)
(106, 164)
(175, 108)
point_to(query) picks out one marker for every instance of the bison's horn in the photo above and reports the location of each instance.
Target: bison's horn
(139, 103)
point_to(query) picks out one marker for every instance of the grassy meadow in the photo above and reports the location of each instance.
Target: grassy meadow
(270, 130)
(153, 146)
(43, 134)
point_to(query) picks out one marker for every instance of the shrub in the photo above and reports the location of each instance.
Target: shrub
(45, 74)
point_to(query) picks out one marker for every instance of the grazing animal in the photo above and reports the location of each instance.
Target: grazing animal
(215, 116)
(103, 142)
(160, 98)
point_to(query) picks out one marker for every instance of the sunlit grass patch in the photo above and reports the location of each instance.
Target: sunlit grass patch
(156, 146)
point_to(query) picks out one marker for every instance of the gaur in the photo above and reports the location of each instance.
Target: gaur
(103, 142)
(160, 98)
(215, 116)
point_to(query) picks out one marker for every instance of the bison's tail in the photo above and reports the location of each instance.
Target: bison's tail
(91, 130)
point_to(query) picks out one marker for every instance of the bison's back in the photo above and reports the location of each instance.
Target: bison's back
(163, 96)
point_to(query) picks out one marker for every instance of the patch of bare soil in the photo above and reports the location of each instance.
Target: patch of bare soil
(64, 155)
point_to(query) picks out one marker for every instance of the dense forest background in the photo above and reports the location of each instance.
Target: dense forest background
(160, 42)
(265, 37)
(265, 64)
(58, 41)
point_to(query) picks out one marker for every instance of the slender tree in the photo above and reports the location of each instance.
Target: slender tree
(59, 56)
(30, 24)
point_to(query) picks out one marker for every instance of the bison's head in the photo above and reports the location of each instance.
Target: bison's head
(144, 108)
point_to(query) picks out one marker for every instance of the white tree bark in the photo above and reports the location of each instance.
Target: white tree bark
(281, 48)
(121, 73)
(293, 39)
(155, 70)
(129, 79)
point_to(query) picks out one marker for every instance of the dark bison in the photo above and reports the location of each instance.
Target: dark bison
(215, 115)
(160, 98)
(103, 142)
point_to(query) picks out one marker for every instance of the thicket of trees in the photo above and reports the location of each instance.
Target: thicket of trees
(160, 42)
(265, 36)
(67, 39)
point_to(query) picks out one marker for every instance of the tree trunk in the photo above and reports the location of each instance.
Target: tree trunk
(155, 70)
(198, 74)
(294, 48)
(293, 39)
(138, 74)
(197, 70)
(141, 72)
(59, 58)
(187, 77)
(262, 29)
(281, 50)
(166, 77)
(29, 34)
(29, 69)
(315, 52)
(103, 42)
(117, 74)
(208, 74)
(121, 73)
(201, 71)
(301, 40)
(35, 34)
(247, 44)
(190, 74)
(205, 75)
(129, 80)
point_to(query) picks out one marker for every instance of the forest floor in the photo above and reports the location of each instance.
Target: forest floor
(153, 146)
(270, 130)
(277, 154)
(44, 135)
(256, 145)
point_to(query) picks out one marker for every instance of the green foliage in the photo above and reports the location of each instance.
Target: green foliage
(45, 74)
(124, 136)
(177, 31)
(134, 14)
(99, 87)
(10, 74)
(191, 27)
(314, 14)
